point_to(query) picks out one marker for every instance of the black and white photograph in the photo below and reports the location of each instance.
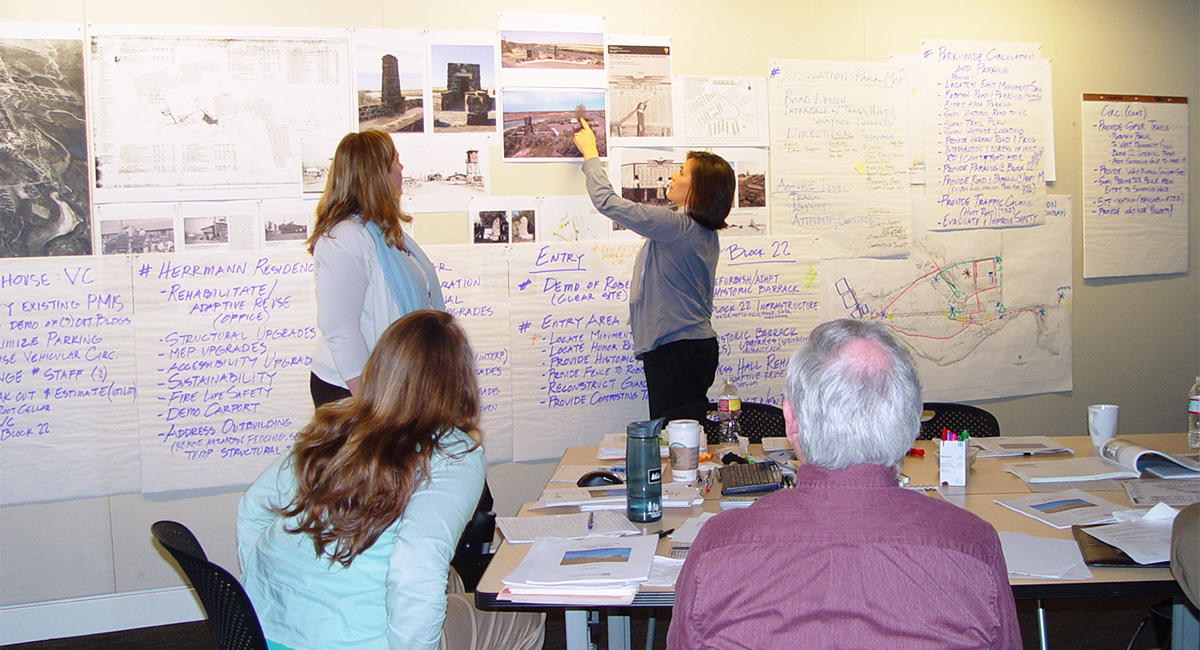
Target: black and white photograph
(644, 174)
(137, 236)
(284, 229)
(490, 227)
(316, 155)
(443, 173)
(205, 230)
(44, 191)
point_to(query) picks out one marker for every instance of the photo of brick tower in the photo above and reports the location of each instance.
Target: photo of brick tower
(389, 71)
(467, 100)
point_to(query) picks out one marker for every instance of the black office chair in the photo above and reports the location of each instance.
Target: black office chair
(234, 623)
(474, 552)
(957, 417)
(758, 420)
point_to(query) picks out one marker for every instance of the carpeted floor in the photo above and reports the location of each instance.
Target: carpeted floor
(1093, 624)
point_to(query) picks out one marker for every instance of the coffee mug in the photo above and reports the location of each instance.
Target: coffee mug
(683, 445)
(1102, 423)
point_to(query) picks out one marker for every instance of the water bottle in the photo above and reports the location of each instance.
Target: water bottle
(643, 471)
(1194, 415)
(729, 413)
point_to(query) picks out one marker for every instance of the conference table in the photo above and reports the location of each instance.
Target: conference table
(986, 481)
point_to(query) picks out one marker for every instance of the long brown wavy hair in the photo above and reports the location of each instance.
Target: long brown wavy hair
(358, 184)
(360, 459)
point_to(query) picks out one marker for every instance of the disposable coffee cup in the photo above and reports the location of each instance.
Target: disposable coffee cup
(683, 440)
(1102, 423)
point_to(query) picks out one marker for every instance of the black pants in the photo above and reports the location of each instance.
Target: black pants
(679, 373)
(324, 392)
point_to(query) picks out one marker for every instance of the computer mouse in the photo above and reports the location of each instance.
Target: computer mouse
(598, 478)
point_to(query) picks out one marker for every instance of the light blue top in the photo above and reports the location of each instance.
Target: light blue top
(671, 295)
(392, 596)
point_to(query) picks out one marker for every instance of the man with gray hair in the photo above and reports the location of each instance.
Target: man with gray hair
(847, 559)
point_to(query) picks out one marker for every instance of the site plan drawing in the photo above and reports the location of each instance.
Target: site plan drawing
(212, 117)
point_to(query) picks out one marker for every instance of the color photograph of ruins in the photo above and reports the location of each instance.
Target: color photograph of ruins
(390, 77)
(541, 123)
(464, 99)
(552, 50)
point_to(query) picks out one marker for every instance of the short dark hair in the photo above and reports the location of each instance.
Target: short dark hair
(713, 185)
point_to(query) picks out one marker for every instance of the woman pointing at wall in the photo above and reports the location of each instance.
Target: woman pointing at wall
(671, 296)
(369, 272)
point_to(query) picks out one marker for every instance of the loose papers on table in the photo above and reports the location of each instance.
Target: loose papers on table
(1147, 540)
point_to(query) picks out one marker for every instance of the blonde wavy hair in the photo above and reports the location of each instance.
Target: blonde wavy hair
(359, 184)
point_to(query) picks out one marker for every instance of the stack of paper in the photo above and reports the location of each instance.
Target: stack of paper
(583, 571)
(1039, 557)
(1065, 471)
(1064, 509)
(1001, 446)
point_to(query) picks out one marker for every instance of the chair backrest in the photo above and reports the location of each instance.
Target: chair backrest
(957, 417)
(234, 623)
(758, 420)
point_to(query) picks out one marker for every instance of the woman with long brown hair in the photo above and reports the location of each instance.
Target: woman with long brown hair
(368, 271)
(346, 541)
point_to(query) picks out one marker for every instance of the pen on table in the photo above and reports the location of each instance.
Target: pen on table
(664, 533)
(708, 477)
(591, 520)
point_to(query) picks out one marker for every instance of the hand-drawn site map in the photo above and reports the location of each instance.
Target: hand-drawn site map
(970, 324)
(43, 146)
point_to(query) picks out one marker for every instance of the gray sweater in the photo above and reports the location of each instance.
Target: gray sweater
(671, 295)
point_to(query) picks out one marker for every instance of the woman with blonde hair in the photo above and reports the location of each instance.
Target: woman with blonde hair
(368, 271)
(346, 541)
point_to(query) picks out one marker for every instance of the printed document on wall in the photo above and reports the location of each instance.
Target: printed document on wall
(212, 115)
(1135, 186)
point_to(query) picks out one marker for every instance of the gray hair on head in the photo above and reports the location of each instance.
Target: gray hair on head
(854, 394)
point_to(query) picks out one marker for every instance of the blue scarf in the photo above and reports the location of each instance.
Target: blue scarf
(409, 273)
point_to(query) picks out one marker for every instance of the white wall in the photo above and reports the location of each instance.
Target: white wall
(1136, 341)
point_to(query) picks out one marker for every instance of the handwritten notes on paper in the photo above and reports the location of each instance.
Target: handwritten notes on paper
(572, 348)
(68, 388)
(985, 134)
(224, 350)
(1135, 185)
(839, 157)
(474, 283)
